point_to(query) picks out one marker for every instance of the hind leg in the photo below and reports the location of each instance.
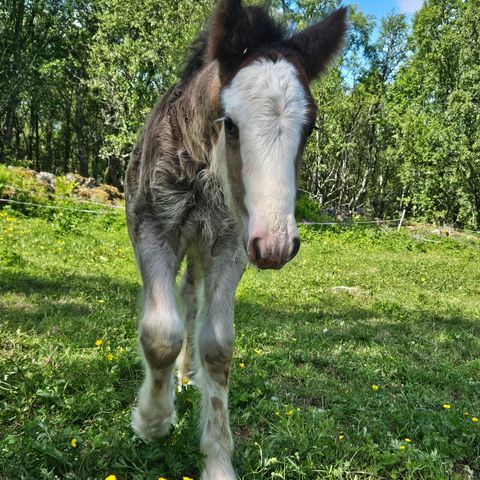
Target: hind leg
(189, 305)
(161, 335)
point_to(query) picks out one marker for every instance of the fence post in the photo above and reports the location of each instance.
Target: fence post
(401, 220)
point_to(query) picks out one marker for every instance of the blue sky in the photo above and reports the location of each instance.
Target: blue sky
(380, 8)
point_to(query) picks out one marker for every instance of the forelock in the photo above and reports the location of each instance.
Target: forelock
(266, 91)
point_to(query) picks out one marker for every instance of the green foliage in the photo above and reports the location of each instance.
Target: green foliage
(135, 55)
(308, 210)
(4, 176)
(64, 186)
(57, 203)
(77, 78)
(435, 111)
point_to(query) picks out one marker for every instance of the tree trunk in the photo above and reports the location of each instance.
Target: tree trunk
(49, 162)
(31, 133)
(13, 84)
(37, 143)
(81, 148)
(67, 139)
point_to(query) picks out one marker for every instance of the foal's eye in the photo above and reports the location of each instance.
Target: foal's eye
(230, 126)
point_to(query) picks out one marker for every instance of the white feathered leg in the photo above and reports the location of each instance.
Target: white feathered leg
(215, 338)
(161, 335)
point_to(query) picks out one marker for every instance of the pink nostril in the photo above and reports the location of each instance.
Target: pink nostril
(256, 248)
(254, 251)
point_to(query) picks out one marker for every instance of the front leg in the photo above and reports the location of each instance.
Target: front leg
(215, 338)
(161, 334)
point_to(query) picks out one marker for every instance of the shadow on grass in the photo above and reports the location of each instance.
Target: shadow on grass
(67, 304)
(346, 319)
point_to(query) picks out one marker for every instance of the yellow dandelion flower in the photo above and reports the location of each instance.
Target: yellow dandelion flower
(185, 381)
(446, 406)
(408, 440)
(289, 413)
(111, 477)
(242, 365)
(162, 478)
(375, 387)
(187, 478)
(99, 342)
(110, 357)
(474, 419)
(341, 437)
(402, 447)
(73, 442)
(101, 301)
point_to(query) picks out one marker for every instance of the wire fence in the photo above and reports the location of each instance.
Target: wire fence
(106, 208)
(55, 207)
(104, 211)
(62, 197)
(348, 222)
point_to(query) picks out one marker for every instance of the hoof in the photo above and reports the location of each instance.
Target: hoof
(218, 470)
(152, 426)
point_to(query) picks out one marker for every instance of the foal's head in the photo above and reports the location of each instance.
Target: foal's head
(268, 114)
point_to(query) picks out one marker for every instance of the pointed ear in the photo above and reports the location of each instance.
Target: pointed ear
(318, 43)
(226, 42)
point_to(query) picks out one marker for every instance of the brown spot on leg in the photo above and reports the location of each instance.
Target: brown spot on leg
(158, 354)
(218, 368)
(216, 403)
(216, 353)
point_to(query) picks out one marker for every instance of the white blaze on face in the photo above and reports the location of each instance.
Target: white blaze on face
(268, 103)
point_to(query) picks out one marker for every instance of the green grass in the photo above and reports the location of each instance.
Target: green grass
(303, 406)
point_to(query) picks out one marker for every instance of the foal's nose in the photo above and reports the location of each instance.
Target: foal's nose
(272, 252)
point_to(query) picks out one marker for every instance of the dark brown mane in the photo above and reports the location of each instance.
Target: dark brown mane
(194, 59)
(259, 32)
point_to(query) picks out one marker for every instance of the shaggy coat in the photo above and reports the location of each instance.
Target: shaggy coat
(213, 178)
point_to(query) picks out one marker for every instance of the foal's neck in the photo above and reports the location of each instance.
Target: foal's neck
(199, 110)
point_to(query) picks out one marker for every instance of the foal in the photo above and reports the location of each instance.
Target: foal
(213, 179)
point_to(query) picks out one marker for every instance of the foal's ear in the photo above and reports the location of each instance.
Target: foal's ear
(226, 42)
(318, 43)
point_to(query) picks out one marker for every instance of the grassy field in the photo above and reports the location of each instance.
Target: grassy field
(381, 380)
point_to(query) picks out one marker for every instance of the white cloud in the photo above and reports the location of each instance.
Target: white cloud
(409, 6)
